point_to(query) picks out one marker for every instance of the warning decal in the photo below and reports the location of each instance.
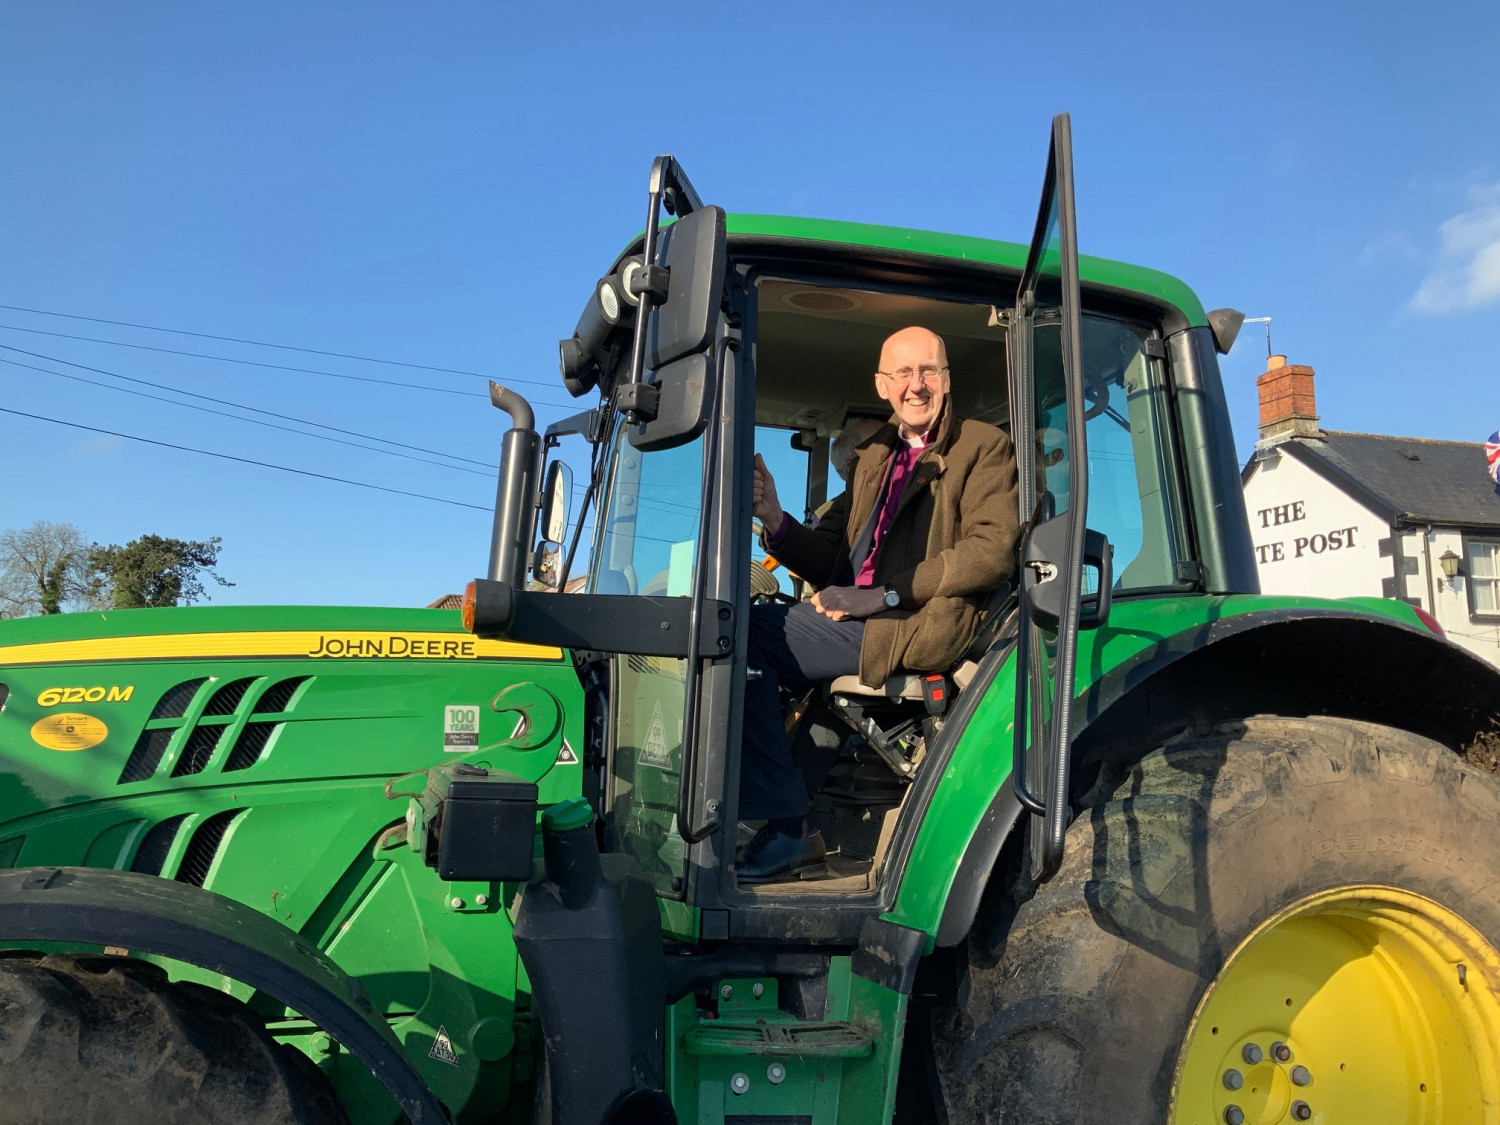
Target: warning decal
(654, 749)
(565, 756)
(442, 1048)
(460, 729)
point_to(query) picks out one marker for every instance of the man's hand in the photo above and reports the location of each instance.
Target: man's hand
(842, 603)
(764, 504)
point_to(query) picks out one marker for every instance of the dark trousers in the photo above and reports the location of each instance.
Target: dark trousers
(795, 647)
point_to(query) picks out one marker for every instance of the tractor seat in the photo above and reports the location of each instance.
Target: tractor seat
(884, 716)
(902, 687)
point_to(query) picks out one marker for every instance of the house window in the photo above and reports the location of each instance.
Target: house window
(1484, 578)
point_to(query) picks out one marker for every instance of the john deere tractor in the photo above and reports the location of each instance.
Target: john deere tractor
(1158, 848)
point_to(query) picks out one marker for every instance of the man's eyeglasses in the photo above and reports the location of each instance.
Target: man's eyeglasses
(929, 374)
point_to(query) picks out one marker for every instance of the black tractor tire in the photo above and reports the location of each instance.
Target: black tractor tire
(111, 1041)
(1073, 999)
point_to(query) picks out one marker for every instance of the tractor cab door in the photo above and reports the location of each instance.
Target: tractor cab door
(1057, 592)
(660, 547)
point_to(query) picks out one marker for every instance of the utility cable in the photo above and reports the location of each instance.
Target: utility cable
(251, 363)
(246, 460)
(280, 366)
(236, 405)
(258, 343)
(268, 464)
(237, 418)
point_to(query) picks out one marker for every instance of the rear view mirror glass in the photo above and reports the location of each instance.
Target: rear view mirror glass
(693, 251)
(557, 498)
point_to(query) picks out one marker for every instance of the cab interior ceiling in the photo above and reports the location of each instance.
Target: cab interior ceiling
(817, 348)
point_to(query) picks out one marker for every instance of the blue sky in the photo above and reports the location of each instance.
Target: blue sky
(441, 183)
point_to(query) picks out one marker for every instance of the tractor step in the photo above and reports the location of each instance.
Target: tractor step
(829, 1040)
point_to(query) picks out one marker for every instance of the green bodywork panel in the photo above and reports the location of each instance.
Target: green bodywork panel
(981, 762)
(282, 727)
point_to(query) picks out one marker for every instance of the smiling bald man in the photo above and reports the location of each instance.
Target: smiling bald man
(904, 559)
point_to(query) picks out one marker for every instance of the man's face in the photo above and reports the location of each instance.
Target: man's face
(913, 377)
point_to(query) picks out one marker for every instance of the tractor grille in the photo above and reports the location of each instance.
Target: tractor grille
(251, 745)
(276, 698)
(200, 748)
(152, 853)
(227, 698)
(174, 704)
(146, 756)
(209, 733)
(199, 855)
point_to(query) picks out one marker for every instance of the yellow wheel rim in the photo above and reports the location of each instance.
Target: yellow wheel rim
(1365, 1005)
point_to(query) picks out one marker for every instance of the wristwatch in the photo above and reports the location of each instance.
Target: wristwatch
(892, 599)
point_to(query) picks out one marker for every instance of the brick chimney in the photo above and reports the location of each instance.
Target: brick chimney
(1287, 405)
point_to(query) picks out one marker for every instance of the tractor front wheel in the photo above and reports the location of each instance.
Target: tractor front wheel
(111, 1041)
(1288, 920)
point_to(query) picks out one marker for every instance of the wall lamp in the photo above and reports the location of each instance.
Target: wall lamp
(1449, 562)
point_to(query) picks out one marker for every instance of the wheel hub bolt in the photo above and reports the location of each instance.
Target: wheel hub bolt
(1233, 1080)
(776, 1073)
(1251, 1053)
(740, 1083)
(1301, 1111)
(1234, 1115)
(1281, 1052)
(1300, 1076)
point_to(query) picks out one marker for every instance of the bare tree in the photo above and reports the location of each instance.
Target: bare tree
(44, 568)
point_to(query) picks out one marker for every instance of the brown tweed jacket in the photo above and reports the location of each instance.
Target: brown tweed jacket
(952, 542)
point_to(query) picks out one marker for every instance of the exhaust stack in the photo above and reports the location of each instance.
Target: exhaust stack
(516, 490)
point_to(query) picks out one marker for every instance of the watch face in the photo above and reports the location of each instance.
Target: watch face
(892, 598)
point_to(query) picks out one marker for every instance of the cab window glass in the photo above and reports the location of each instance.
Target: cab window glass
(789, 467)
(1131, 496)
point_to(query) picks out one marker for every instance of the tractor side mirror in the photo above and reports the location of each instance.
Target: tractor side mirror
(678, 393)
(693, 252)
(557, 498)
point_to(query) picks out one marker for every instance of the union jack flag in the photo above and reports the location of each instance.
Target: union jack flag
(1492, 455)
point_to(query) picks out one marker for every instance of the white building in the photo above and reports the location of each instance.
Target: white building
(1346, 515)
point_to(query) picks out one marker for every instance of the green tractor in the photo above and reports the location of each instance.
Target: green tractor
(1160, 848)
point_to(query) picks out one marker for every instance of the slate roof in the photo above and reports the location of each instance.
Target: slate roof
(1407, 480)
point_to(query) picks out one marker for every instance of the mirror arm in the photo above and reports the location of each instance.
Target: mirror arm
(671, 182)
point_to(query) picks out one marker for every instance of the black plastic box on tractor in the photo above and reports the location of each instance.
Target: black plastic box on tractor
(478, 824)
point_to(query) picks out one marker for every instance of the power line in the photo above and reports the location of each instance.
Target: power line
(246, 460)
(253, 363)
(280, 366)
(237, 418)
(255, 343)
(271, 366)
(228, 402)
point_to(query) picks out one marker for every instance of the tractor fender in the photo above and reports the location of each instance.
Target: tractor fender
(134, 913)
(1303, 660)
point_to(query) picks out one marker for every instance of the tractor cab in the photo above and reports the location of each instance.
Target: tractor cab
(712, 340)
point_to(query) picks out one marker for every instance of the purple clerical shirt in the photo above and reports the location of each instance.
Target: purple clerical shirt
(896, 477)
(897, 474)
